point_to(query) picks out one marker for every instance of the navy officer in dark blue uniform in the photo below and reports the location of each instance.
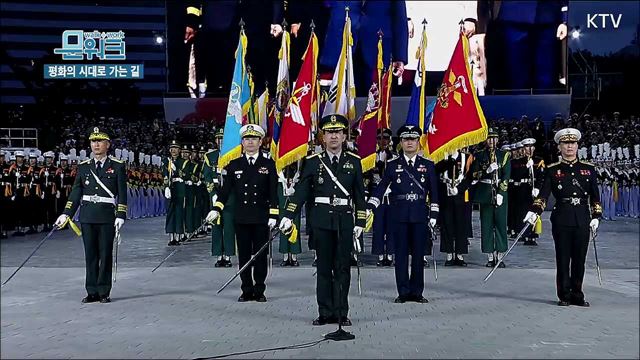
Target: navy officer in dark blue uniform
(412, 179)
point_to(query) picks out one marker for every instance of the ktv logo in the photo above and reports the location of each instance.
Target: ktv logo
(603, 21)
(81, 45)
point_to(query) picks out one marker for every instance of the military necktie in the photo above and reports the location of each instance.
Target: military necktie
(99, 166)
(411, 163)
(250, 160)
(334, 162)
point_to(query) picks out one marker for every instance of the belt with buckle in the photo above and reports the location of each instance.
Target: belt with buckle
(98, 199)
(575, 201)
(331, 201)
(410, 197)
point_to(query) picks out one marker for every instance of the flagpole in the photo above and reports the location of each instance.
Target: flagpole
(314, 121)
(348, 87)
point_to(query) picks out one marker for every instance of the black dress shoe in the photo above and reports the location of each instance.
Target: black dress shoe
(459, 262)
(219, 263)
(227, 263)
(173, 243)
(426, 263)
(491, 263)
(420, 299)
(344, 321)
(90, 299)
(533, 242)
(563, 303)
(381, 263)
(260, 298)
(295, 263)
(321, 320)
(389, 262)
(285, 263)
(245, 298)
(580, 303)
(105, 299)
(502, 265)
(451, 262)
(314, 263)
(400, 300)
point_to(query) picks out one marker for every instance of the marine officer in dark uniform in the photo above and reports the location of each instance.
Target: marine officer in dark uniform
(252, 179)
(100, 189)
(576, 214)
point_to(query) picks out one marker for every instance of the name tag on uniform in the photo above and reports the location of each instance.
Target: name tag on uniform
(238, 172)
(263, 170)
(399, 170)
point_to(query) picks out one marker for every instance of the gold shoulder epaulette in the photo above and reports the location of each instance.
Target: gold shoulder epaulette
(353, 154)
(554, 164)
(84, 162)
(312, 156)
(587, 163)
(116, 160)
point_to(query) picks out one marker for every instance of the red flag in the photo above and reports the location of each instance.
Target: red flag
(458, 120)
(296, 124)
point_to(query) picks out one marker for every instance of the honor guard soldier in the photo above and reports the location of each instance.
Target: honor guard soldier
(338, 213)
(530, 180)
(412, 180)
(252, 178)
(189, 194)
(34, 200)
(492, 169)
(203, 205)
(20, 179)
(453, 184)
(383, 243)
(49, 189)
(575, 215)
(174, 190)
(287, 180)
(5, 194)
(223, 236)
(100, 189)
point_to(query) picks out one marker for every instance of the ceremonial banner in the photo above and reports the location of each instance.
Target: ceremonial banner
(301, 112)
(238, 107)
(458, 120)
(342, 93)
(282, 92)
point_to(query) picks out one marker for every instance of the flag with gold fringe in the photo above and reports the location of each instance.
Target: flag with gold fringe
(417, 113)
(458, 120)
(283, 91)
(300, 114)
(238, 108)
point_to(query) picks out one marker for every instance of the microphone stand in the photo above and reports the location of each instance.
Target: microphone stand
(340, 334)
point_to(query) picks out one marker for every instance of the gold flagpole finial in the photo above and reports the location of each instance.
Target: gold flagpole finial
(424, 22)
(380, 33)
(312, 26)
(284, 24)
(241, 23)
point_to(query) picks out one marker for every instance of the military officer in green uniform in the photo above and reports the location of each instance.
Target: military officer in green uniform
(287, 180)
(189, 193)
(203, 204)
(100, 189)
(338, 213)
(223, 244)
(173, 173)
(491, 169)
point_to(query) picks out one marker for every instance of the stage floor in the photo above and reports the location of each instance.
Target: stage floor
(175, 312)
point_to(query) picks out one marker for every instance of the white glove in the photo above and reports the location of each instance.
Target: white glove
(62, 219)
(189, 182)
(594, 225)
(212, 216)
(493, 167)
(46, 173)
(453, 191)
(382, 156)
(199, 183)
(455, 154)
(285, 224)
(289, 191)
(276, 30)
(531, 218)
(432, 222)
(535, 192)
(57, 194)
(118, 224)
(499, 199)
(271, 223)
(167, 193)
(357, 231)
(42, 196)
(529, 163)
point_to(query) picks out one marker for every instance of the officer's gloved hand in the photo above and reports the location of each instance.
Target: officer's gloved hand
(42, 196)
(289, 190)
(118, 223)
(531, 218)
(493, 167)
(535, 192)
(453, 191)
(455, 154)
(432, 222)
(285, 225)
(61, 220)
(58, 194)
(529, 163)
(357, 231)
(271, 223)
(167, 193)
(212, 216)
(594, 225)
(499, 199)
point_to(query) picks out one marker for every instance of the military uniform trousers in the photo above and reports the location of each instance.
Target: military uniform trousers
(175, 211)
(453, 228)
(223, 235)
(410, 240)
(189, 208)
(251, 237)
(383, 241)
(333, 248)
(493, 227)
(98, 252)
(571, 244)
